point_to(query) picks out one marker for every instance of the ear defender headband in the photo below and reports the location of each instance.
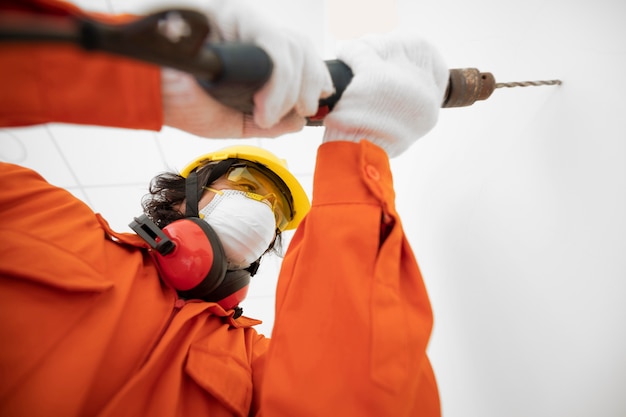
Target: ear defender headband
(189, 255)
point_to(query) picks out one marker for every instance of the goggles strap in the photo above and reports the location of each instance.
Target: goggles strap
(220, 169)
(192, 190)
(191, 194)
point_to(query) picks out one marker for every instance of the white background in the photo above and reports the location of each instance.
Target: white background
(515, 207)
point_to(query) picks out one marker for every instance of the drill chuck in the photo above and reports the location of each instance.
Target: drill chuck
(466, 86)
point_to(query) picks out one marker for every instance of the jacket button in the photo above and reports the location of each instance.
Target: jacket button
(372, 172)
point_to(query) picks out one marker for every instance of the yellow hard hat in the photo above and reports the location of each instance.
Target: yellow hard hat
(298, 200)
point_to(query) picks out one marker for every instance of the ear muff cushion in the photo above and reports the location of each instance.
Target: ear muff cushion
(217, 272)
(233, 282)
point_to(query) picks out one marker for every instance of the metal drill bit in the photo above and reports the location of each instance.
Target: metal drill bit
(467, 85)
(528, 83)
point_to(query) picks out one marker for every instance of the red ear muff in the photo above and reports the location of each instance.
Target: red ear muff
(188, 255)
(197, 266)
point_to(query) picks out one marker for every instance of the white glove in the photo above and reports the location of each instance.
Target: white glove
(300, 77)
(394, 97)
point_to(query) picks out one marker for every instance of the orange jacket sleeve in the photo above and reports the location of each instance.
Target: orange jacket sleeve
(50, 82)
(353, 317)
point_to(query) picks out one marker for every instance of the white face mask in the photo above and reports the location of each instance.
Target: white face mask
(245, 226)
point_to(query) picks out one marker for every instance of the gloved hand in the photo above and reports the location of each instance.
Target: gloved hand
(395, 95)
(299, 79)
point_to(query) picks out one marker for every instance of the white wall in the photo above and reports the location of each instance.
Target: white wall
(514, 206)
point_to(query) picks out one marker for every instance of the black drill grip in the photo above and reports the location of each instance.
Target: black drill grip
(240, 70)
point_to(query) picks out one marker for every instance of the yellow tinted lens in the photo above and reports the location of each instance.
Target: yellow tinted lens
(251, 180)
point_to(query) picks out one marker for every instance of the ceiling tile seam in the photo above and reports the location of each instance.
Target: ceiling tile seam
(22, 153)
(76, 178)
(159, 148)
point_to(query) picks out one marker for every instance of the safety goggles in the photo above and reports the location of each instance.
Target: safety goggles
(256, 183)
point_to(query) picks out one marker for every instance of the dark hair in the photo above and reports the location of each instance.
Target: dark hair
(166, 194)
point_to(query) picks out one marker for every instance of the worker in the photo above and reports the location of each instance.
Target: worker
(90, 327)
(248, 198)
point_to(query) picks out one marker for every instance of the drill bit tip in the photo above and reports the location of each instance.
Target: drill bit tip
(528, 83)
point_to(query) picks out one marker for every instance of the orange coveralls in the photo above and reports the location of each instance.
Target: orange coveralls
(88, 329)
